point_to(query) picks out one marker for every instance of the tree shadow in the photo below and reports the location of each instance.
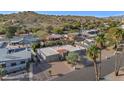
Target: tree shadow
(60, 74)
(121, 75)
(77, 68)
(40, 67)
(85, 62)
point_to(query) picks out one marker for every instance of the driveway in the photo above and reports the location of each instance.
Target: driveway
(112, 77)
(107, 53)
(41, 71)
(87, 73)
(60, 68)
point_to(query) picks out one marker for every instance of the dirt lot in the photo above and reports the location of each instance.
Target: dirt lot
(60, 68)
(57, 69)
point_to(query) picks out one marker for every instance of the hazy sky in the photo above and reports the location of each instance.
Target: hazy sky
(80, 13)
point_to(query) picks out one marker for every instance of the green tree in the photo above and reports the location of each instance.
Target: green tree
(100, 42)
(103, 28)
(2, 29)
(118, 35)
(76, 25)
(67, 26)
(49, 28)
(10, 31)
(115, 34)
(41, 34)
(58, 31)
(72, 58)
(114, 23)
(35, 46)
(93, 54)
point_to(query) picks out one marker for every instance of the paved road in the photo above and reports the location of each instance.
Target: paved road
(87, 73)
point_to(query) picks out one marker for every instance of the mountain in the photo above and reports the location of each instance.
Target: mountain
(116, 18)
(32, 19)
(26, 21)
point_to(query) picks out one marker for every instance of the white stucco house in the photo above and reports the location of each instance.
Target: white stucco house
(56, 53)
(14, 59)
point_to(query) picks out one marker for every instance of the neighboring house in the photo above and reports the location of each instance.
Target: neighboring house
(26, 39)
(15, 40)
(90, 33)
(48, 54)
(80, 38)
(29, 39)
(55, 37)
(14, 59)
(58, 53)
(87, 42)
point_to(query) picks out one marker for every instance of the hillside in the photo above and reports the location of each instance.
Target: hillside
(32, 19)
(32, 22)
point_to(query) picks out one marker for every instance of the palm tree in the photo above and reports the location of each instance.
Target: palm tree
(117, 37)
(117, 65)
(93, 53)
(100, 42)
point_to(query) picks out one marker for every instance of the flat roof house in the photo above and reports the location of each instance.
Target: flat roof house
(48, 54)
(88, 42)
(55, 37)
(15, 40)
(91, 33)
(26, 39)
(14, 59)
(29, 39)
(57, 53)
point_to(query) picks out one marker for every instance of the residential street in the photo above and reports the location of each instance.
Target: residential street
(87, 73)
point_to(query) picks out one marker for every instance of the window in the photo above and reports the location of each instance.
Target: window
(22, 62)
(13, 64)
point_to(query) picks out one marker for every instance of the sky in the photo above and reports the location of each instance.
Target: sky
(77, 13)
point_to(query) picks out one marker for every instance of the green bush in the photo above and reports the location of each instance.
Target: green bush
(72, 58)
